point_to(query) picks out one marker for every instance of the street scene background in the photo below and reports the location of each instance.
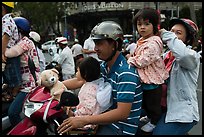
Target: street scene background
(75, 20)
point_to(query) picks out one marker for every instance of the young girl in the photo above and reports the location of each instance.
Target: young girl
(95, 94)
(148, 61)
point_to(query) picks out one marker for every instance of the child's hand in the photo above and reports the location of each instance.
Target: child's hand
(160, 31)
(69, 111)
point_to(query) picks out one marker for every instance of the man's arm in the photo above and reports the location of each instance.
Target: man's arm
(119, 114)
(5, 41)
(86, 51)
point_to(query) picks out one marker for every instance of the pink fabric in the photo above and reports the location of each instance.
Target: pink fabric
(88, 104)
(148, 60)
(28, 50)
(168, 60)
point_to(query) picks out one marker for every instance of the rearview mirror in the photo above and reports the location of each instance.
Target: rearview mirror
(67, 99)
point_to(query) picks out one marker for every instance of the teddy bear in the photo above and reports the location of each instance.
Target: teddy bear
(49, 78)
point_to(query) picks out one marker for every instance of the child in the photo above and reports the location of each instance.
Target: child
(95, 94)
(147, 58)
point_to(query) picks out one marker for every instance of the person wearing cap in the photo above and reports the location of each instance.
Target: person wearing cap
(183, 64)
(35, 37)
(122, 118)
(65, 59)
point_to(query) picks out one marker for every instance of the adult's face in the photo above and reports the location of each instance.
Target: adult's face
(61, 46)
(104, 49)
(180, 31)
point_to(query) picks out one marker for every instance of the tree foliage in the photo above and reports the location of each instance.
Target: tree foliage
(42, 15)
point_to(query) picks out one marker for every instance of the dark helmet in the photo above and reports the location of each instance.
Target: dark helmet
(22, 23)
(191, 27)
(107, 29)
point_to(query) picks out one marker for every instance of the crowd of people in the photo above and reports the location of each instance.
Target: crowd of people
(117, 91)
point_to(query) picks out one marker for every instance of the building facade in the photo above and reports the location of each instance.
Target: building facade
(81, 17)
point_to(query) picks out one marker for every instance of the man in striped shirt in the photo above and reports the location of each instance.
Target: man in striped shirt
(123, 116)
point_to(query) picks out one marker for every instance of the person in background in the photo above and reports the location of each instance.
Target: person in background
(148, 61)
(35, 37)
(183, 64)
(88, 48)
(65, 59)
(130, 48)
(122, 118)
(25, 48)
(77, 53)
(10, 36)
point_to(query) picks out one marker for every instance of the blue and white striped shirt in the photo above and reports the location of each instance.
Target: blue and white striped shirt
(126, 87)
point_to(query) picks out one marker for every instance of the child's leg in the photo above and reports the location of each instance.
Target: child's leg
(153, 106)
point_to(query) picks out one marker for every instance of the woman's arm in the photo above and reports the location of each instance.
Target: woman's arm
(5, 41)
(14, 51)
(185, 56)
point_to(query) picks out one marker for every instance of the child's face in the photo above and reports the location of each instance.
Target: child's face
(78, 75)
(145, 28)
(180, 31)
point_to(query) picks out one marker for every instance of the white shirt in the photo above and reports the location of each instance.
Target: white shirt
(66, 61)
(90, 45)
(76, 49)
(131, 48)
(41, 59)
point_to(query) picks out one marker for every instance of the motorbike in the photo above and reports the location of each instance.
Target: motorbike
(42, 113)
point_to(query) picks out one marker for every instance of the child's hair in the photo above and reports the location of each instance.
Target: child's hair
(89, 68)
(148, 14)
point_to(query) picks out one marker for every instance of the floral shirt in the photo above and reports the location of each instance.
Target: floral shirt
(148, 60)
(26, 48)
(88, 104)
(9, 27)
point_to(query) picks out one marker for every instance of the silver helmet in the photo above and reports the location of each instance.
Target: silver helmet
(107, 29)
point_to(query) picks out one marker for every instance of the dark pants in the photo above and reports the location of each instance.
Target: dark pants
(107, 130)
(12, 74)
(16, 108)
(172, 128)
(152, 104)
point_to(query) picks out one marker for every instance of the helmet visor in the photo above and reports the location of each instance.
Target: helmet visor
(99, 36)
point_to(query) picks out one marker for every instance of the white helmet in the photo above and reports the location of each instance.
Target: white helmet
(35, 36)
(61, 40)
